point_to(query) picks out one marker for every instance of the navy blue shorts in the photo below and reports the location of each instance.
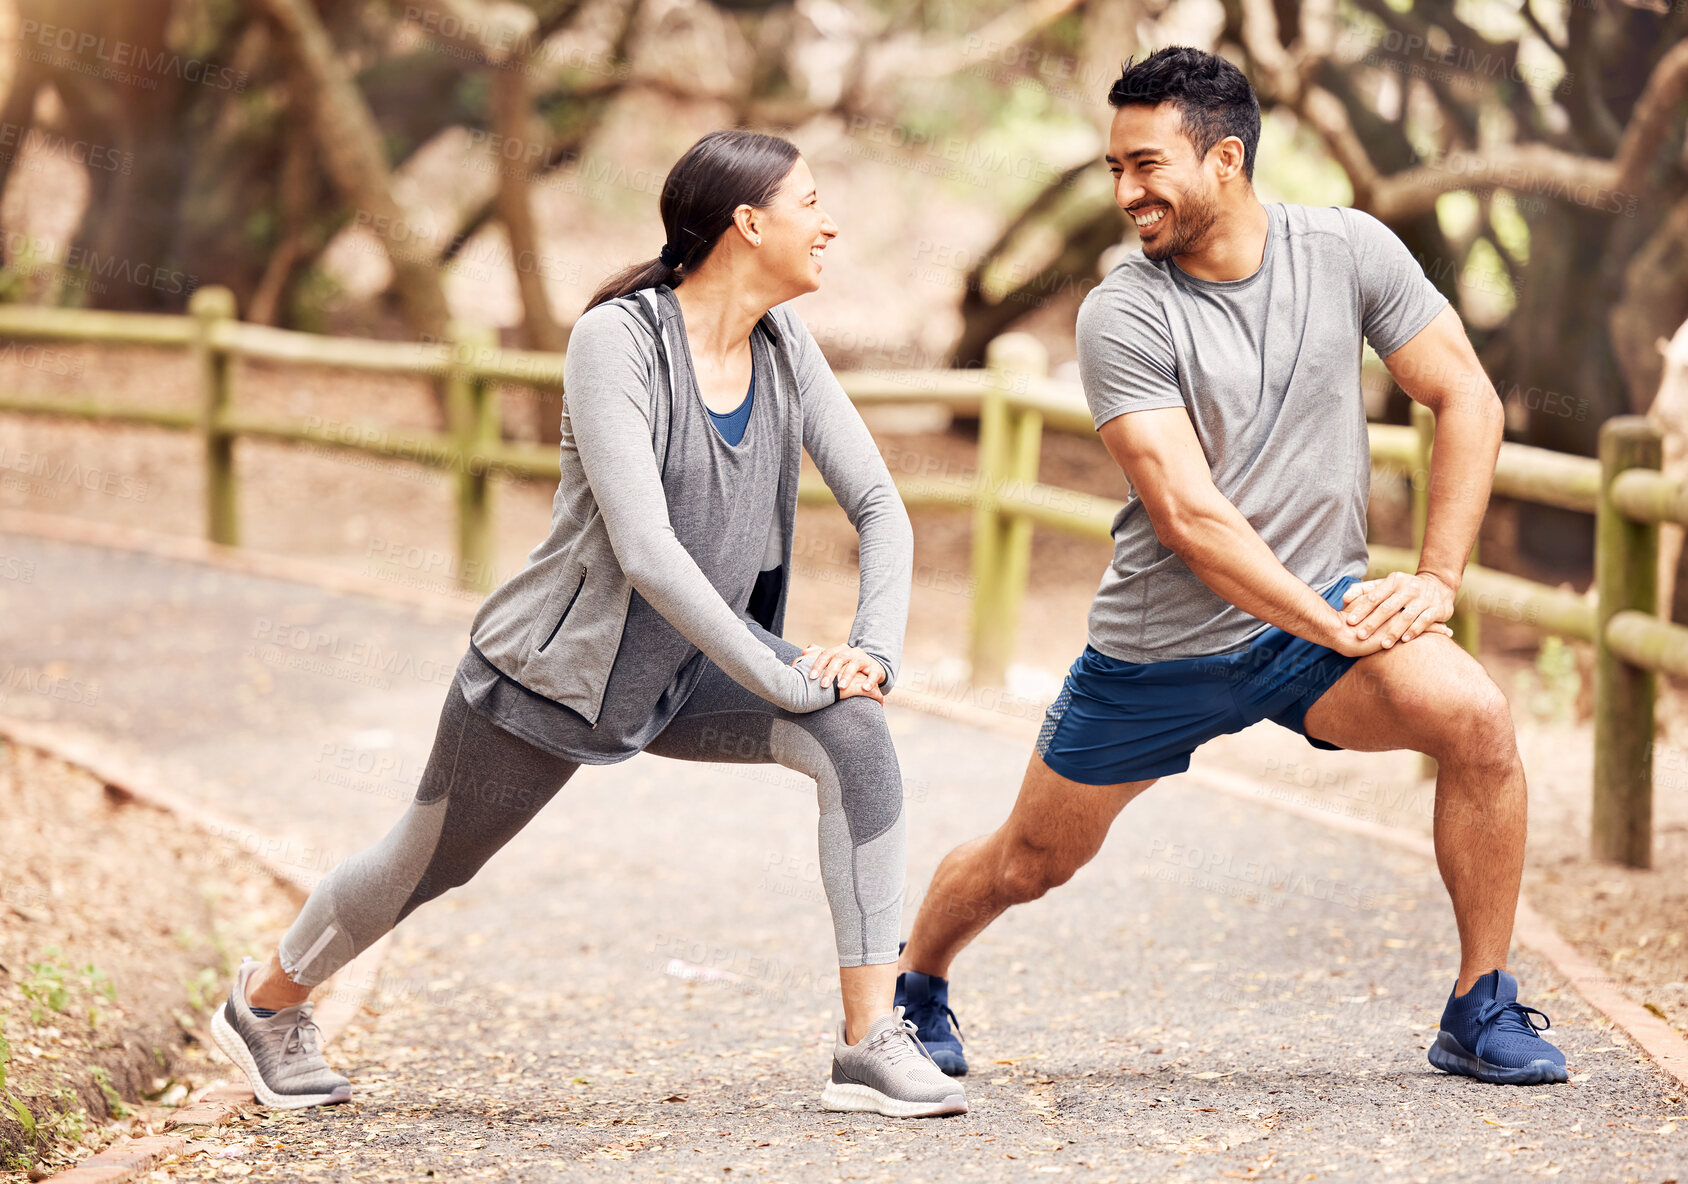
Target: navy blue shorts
(1117, 721)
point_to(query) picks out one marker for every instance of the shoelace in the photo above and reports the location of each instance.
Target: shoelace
(304, 1036)
(943, 1007)
(901, 1041)
(1510, 1017)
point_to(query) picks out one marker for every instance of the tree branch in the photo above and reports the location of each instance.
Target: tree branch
(1649, 120)
(351, 150)
(1037, 208)
(1528, 168)
(1530, 18)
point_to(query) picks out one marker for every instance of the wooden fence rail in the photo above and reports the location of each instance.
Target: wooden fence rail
(1015, 400)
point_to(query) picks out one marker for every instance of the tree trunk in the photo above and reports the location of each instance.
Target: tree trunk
(125, 254)
(511, 118)
(351, 150)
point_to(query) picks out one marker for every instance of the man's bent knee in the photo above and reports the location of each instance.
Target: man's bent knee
(1027, 873)
(1477, 729)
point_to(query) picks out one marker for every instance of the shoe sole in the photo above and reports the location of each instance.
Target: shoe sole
(1448, 1055)
(235, 1048)
(865, 1099)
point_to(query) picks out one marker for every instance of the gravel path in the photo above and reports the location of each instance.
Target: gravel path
(640, 985)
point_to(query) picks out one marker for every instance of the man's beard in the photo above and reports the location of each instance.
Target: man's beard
(1190, 224)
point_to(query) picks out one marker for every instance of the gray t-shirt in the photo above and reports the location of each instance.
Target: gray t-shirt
(1268, 367)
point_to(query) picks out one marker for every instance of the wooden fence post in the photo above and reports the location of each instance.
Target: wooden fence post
(208, 306)
(1009, 442)
(473, 415)
(1626, 577)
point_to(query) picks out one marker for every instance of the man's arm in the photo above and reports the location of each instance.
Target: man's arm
(1438, 368)
(1163, 459)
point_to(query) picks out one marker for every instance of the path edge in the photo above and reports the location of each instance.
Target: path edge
(220, 1102)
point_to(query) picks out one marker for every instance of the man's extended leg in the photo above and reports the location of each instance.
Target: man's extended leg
(1056, 827)
(1431, 696)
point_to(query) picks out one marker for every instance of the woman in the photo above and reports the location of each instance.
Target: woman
(649, 621)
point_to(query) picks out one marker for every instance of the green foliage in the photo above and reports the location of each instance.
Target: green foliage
(1510, 227)
(114, 1101)
(21, 275)
(25, 1117)
(1550, 690)
(309, 298)
(48, 986)
(204, 989)
(71, 1123)
(1458, 213)
(1291, 164)
(45, 988)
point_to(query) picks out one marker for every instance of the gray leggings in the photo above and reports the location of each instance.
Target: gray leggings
(482, 785)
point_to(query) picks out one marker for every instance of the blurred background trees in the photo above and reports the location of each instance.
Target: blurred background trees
(355, 165)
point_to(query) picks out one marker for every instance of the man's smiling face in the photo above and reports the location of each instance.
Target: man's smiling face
(1160, 183)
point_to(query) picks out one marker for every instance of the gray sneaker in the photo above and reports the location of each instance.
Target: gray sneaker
(889, 1072)
(280, 1054)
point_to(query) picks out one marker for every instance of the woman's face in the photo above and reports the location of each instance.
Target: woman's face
(795, 232)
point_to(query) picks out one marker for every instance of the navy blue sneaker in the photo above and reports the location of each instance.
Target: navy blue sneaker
(924, 999)
(1487, 1034)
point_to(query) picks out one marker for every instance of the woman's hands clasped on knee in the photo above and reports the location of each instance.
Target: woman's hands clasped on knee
(855, 671)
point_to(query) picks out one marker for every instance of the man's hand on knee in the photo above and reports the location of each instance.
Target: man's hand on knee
(1399, 607)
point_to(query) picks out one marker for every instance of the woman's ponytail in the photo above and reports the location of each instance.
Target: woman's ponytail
(631, 279)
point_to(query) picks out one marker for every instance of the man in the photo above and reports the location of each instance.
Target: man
(1222, 365)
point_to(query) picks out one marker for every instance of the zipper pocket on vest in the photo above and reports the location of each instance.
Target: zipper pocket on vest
(566, 609)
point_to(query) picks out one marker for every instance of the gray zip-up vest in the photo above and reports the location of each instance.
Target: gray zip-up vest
(556, 625)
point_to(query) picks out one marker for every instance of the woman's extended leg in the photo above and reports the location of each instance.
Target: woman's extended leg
(480, 786)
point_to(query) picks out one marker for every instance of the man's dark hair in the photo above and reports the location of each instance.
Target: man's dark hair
(1213, 98)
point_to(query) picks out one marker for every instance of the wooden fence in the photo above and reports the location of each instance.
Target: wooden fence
(1015, 401)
